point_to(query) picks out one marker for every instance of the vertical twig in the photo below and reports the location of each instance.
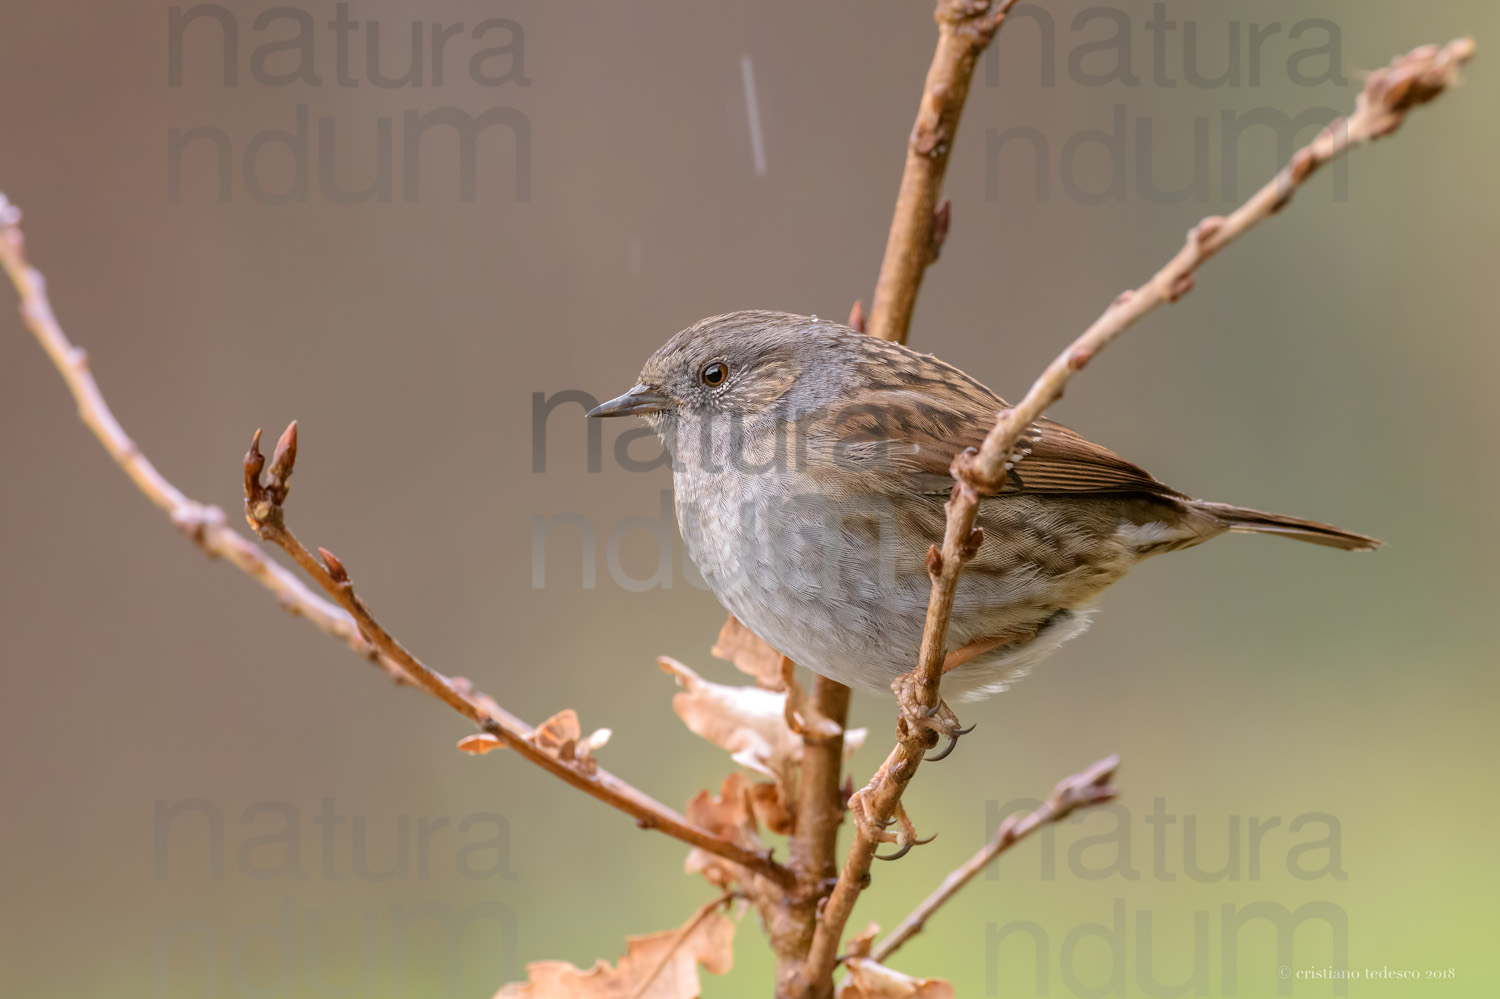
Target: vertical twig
(812, 847)
(920, 223)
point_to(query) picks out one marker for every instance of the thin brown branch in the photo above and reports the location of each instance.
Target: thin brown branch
(1091, 787)
(821, 808)
(813, 843)
(1389, 94)
(207, 527)
(263, 509)
(920, 224)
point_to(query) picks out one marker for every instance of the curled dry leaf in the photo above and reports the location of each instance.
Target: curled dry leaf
(747, 721)
(749, 653)
(558, 736)
(729, 816)
(657, 966)
(751, 723)
(479, 744)
(558, 732)
(801, 716)
(870, 980)
(859, 944)
(772, 671)
(770, 808)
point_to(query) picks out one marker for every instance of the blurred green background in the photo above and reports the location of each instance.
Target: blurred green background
(1339, 364)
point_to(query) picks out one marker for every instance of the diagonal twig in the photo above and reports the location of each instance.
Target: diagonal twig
(264, 497)
(1090, 787)
(1388, 96)
(345, 617)
(920, 223)
(205, 525)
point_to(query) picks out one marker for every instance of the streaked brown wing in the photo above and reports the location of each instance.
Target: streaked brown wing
(917, 432)
(1055, 459)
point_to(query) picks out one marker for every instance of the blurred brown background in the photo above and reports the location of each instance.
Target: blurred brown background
(1339, 365)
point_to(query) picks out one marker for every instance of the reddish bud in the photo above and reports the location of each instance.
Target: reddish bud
(857, 320)
(924, 137)
(254, 462)
(972, 545)
(1303, 164)
(1181, 285)
(334, 566)
(942, 218)
(284, 458)
(1207, 229)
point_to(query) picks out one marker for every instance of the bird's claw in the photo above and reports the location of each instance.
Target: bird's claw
(906, 838)
(873, 829)
(937, 718)
(906, 848)
(943, 721)
(897, 855)
(940, 720)
(953, 738)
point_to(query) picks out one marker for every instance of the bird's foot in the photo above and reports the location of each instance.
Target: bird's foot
(905, 837)
(953, 738)
(859, 808)
(934, 721)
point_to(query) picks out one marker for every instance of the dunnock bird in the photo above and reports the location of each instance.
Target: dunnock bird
(810, 464)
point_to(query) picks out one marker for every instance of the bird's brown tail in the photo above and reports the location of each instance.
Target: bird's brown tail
(1238, 518)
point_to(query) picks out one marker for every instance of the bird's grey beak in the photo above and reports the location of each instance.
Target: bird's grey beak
(639, 400)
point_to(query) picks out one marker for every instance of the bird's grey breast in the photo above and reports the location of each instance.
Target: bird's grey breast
(810, 564)
(728, 481)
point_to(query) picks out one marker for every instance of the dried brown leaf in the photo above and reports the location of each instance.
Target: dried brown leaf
(859, 944)
(552, 735)
(802, 716)
(749, 653)
(480, 744)
(747, 721)
(770, 808)
(869, 980)
(657, 966)
(729, 816)
(558, 736)
(750, 723)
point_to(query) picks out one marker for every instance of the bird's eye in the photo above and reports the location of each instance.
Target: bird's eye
(715, 373)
